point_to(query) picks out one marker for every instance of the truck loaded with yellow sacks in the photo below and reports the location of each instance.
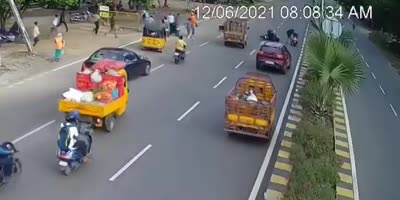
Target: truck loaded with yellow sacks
(250, 106)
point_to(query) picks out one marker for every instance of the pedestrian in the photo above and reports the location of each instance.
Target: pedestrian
(62, 20)
(113, 28)
(193, 24)
(35, 33)
(54, 28)
(59, 46)
(171, 23)
(177, 24)
(96, 23)
(188, 25)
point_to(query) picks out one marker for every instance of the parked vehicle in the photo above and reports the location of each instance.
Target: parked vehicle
(273, 55)
(135, 64)
(253, 117)
(84, 16)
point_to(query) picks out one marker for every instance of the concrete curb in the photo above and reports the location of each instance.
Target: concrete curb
(344, 189)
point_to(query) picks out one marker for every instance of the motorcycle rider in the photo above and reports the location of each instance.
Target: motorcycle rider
(6, 160)
(180, 46)
(70, 138)
(289, 33)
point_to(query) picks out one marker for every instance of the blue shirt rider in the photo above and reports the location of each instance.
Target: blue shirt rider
(6, 159)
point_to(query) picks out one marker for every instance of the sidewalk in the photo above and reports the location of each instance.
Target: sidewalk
(17, 64)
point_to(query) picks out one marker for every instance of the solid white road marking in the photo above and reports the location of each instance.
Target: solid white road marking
(352, 156)
(278, 126)
(33, 131)
(205, 43)
(358, 50)
(394, 111)
(362, 56)
(188, 111)
(366, 64)
(238, 65)
(219, 36)
(382, 90)
(127, 165)
(158, 67)
(219, 83)
(251, 53)
(373, 75)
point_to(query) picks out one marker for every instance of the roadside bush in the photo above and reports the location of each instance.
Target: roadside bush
(318, 99)
(315, 166)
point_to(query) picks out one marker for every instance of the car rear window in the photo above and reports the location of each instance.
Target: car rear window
(107, 54)
(269, 49)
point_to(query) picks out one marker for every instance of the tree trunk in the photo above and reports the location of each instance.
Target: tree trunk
(2, 22)
(165, 3)
(159, 3)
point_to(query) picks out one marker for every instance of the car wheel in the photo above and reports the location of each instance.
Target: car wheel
(258, 66)
(284, 69)
(147, 69)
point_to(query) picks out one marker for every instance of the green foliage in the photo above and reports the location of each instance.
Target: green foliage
(71, 4)
(333, 64)
(385, 13)
(318, 99)
(5, 11)
(315, 166)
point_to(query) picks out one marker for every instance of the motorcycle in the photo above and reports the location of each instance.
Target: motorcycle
(72, 159)
(178, 57)
(80, 17)
(16, 167)
(270, 37)
(294, 42)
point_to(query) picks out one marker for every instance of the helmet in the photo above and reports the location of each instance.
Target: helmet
(72, 116)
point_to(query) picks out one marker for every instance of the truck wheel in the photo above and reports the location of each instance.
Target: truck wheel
(109, 122)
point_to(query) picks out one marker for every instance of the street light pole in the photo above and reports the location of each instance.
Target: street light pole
(21, 25)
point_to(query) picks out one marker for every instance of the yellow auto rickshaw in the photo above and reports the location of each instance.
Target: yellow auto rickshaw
(154, 37)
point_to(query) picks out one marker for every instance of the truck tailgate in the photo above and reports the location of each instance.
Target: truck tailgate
(95, 109)
(234, 36)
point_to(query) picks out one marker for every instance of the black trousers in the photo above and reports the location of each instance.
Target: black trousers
(97, 26)
(65, 24)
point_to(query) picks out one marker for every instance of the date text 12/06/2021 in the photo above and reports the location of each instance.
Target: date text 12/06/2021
(285, 12)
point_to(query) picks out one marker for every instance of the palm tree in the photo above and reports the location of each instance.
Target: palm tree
(333, 64)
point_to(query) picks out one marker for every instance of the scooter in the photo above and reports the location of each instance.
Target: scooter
(178, 57)
(16, 167)
(268, 38)
(294, 41)
(69, 160)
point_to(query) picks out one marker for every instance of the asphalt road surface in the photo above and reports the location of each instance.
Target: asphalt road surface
(373, 114)
(182, 156)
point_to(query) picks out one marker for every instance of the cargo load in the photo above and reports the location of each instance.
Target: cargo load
(250, 106)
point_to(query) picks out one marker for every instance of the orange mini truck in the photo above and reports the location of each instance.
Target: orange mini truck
(253, 118)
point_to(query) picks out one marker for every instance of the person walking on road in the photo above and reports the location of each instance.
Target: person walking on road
(54, 28)
(59, 47)
(35, 33)
(113, 28)
(188, 26)
(62, 20)
(171, 23)
(96, 23)
(193, 24)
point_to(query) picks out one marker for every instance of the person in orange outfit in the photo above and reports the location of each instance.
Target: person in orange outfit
(193, 24)
(59, 46)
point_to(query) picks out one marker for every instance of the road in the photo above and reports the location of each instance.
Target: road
(373, 115)
(174, 122)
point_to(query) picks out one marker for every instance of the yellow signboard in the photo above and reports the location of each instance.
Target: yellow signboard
(104, 11)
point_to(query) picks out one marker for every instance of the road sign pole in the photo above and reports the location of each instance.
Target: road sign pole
(21, 25)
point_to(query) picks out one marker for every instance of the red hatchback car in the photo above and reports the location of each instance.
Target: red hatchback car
(275, 55)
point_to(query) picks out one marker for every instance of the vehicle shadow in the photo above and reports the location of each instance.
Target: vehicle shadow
(248, 139)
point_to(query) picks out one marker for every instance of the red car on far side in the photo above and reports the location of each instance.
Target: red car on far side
(274, 55)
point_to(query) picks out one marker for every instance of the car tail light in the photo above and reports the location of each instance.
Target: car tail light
(279, 56)
(260, 53)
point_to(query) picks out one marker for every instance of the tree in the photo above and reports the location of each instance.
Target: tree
(333, 64)
(5, 11)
